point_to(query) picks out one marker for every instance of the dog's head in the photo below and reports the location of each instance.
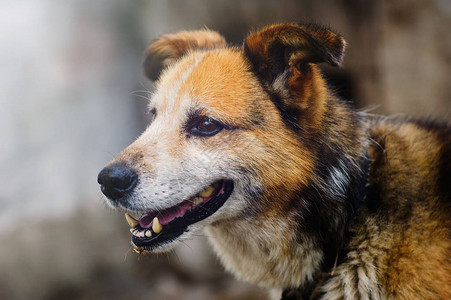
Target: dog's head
(229, 132)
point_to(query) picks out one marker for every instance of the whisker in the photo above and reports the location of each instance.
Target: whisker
(147, 88)
(141, 96)
(141, 91)
(126, 253)
(200, 235)
(176, 255)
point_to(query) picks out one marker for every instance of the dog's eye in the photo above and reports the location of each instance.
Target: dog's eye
(205, 126)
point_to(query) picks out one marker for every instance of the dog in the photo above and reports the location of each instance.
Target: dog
(297, 191)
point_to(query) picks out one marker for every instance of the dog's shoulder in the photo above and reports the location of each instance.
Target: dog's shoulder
(401, 241)
(410, 162)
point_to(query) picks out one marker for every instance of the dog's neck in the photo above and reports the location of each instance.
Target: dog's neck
(287, 250)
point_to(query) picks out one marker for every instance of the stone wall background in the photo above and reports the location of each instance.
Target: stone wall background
(68, 73)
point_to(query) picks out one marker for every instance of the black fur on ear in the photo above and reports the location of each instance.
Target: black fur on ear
(275, 48)
(169, 47)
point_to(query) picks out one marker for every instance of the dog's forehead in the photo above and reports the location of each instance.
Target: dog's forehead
(219, 81)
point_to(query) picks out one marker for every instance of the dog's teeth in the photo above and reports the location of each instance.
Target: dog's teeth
(207, 191)
(198, 200)
(156, 226)
(131, 221)
(148, 233)
(136, 232)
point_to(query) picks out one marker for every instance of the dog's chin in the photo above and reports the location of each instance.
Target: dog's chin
(161, 231)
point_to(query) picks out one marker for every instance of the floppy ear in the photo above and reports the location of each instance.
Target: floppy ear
(169, 47)
(275, 48)
(285, 55)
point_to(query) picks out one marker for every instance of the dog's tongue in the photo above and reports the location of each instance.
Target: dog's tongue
(165, 216)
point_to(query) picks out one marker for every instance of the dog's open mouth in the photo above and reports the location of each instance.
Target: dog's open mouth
(155, 228)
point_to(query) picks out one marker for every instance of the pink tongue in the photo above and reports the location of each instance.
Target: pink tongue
(166, 216)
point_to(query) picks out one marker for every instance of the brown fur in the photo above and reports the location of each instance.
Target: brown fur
(172, 46)
(335, 204)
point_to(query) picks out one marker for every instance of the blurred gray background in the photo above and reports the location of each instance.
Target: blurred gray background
(69, 74)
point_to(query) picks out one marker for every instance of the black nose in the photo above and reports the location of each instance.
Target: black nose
(117, 180)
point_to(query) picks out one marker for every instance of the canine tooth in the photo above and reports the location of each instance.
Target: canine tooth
(148, 233)
(131, 221)
(198, 200)
(156, 226)
(207, 191)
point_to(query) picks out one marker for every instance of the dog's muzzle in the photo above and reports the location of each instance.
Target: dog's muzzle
(152, 229)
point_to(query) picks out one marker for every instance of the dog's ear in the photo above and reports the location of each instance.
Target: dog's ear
(276, 48)
(169, 47)
(284, 56)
